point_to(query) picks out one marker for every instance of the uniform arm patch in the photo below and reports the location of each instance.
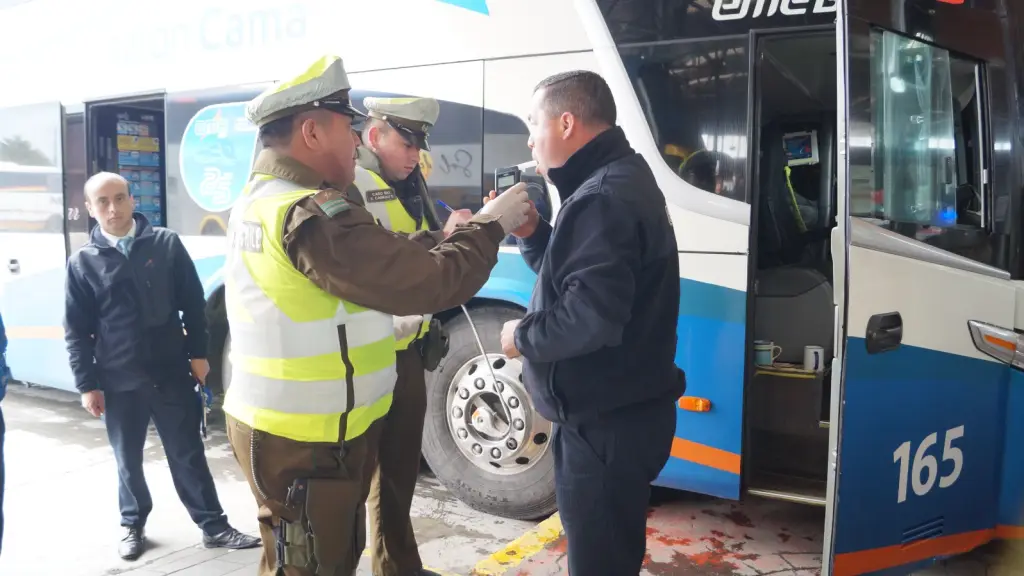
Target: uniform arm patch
(331, 202)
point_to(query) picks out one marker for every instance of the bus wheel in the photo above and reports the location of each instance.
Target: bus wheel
(485, 442)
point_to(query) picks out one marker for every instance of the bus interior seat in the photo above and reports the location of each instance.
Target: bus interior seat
(795, 203)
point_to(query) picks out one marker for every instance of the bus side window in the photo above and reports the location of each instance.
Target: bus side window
(694, 95)
(928, 155)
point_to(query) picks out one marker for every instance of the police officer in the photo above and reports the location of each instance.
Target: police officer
(396, 194)
(317, 295)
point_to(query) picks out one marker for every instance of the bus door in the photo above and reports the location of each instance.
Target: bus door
(32, 244)
(915, 448)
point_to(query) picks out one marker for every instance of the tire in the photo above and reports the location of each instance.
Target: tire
(521, 490)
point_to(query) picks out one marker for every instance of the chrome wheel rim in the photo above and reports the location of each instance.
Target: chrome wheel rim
(493, 423)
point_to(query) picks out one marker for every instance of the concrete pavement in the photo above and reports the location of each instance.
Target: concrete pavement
(61, 517)
(61, 512)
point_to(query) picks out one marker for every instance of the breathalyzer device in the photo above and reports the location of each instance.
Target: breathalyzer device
(506, 178)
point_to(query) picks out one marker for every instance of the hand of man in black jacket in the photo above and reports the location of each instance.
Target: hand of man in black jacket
(200, 368)
(508, 339)
(532, 218)
(93, 403)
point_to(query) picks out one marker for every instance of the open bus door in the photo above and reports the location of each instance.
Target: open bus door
(32, 246)
(917, 431)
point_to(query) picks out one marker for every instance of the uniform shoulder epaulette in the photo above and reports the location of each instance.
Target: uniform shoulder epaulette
(331, 202)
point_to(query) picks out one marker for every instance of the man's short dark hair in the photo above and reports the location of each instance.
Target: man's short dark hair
(582, 93)
(277, 132)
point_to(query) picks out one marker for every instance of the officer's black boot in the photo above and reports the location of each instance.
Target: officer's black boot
(132, 543)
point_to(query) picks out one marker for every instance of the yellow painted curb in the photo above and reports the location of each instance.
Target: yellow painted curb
(521, 548)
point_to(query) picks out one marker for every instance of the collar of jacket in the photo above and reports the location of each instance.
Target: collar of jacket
(369, 160)
(143, 229)
(280, 165)
(603, 149)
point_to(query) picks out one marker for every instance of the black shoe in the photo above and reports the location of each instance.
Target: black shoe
(231, 538)
(132, 544)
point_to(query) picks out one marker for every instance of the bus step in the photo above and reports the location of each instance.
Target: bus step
(788, 488)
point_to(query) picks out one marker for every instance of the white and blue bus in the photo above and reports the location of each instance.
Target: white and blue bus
(842, 174)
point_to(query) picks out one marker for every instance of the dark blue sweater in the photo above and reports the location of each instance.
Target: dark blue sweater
(121, 319)
(600, 331)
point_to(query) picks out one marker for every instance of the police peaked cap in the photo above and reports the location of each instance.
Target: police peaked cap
(412, 117)
(322, 85)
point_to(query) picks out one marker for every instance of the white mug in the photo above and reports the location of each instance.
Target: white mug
(814, 358)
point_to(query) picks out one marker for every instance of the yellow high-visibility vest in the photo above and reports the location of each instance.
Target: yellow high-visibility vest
(382, 201)
(301, 357)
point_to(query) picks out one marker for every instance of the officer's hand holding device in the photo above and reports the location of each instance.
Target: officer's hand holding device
(512, 207)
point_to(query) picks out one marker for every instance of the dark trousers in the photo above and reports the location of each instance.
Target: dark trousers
(603, 475)
(325, 528)
(176, 410)
(393, 549)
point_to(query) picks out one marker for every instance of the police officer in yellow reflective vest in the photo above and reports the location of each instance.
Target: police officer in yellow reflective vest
(395, 192)
(317, 295)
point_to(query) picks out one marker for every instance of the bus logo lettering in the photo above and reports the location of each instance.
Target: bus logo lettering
(725, 10)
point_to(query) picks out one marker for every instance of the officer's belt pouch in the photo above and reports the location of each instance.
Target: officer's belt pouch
(433, 346)
(329, 531)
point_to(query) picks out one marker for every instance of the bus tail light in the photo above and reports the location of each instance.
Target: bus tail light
(695, 404)
(1000, 343)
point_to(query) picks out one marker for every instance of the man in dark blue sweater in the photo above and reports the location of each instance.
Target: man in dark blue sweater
(599, 336)
(133, 362)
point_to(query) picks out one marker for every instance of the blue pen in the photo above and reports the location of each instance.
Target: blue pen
(445, 206)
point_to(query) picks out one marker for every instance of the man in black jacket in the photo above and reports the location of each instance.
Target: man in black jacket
(132, 361)
(599, 336)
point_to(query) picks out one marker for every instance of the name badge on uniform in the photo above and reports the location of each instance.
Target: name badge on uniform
(380, 195)
(248, 237)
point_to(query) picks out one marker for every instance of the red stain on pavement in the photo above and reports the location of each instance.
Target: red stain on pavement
(740, 518)
(654, 534)
(719, 555)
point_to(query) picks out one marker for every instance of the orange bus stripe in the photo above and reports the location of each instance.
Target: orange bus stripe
(705, 455)
(881, 558)
(1010, 532)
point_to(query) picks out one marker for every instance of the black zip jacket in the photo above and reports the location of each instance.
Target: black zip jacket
(600, 331)
(121, 319)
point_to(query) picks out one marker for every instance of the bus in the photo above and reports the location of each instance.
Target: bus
(844, 178)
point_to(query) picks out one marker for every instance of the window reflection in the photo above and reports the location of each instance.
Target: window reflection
(694, 95)
(927, 159)
(31, 184)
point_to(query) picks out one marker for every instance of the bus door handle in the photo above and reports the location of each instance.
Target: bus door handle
(13, 266)
(884, 333)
